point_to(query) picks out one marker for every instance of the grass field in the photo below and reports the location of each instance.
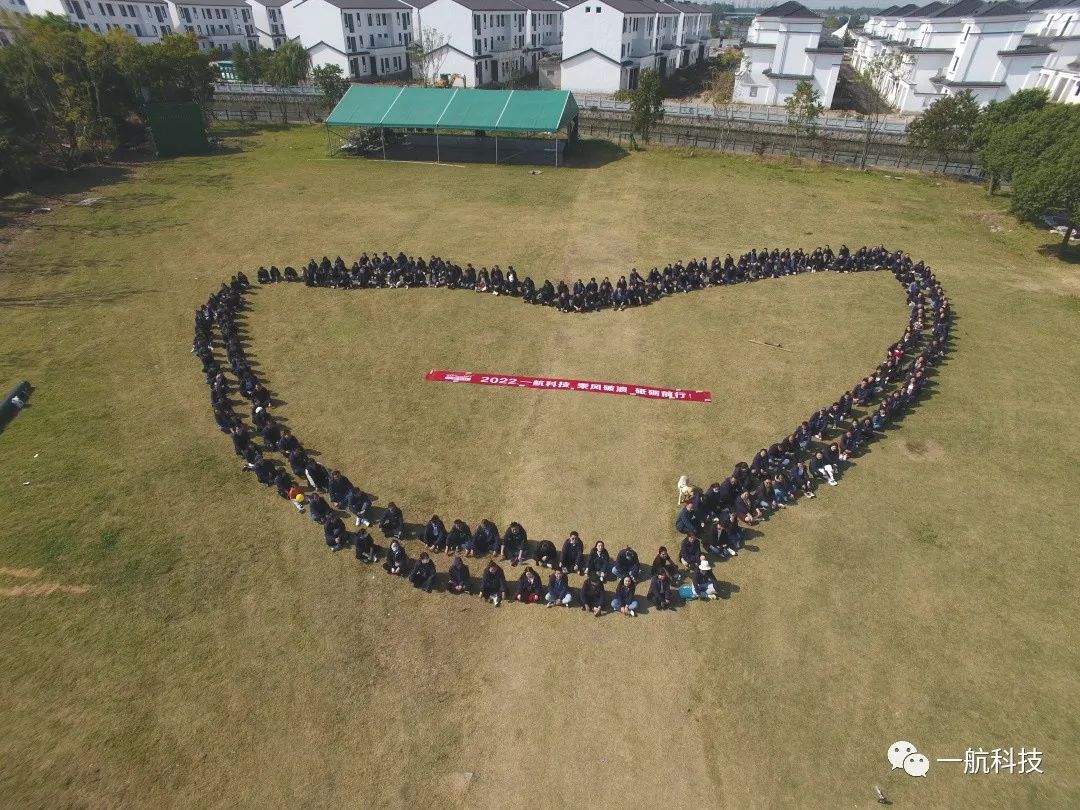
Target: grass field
(214, 653)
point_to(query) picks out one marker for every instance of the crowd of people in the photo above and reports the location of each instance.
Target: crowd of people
(712, 521)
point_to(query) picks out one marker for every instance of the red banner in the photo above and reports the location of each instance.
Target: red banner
(558, 384)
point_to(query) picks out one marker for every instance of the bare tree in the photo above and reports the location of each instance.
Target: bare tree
(720, 91)
(426, 54)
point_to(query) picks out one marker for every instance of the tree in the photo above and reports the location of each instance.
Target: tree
(881, 74)
(720, 91)
(287, 67)
(646, 104)
(331, 80)
(947, 126)
(803, 108)
(426, 54)
(250, 64)
(1000, 144)
(1050, 184)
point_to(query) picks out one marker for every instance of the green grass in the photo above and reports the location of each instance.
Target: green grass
(221, 656)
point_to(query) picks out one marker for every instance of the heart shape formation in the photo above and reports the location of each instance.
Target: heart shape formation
(776, 477)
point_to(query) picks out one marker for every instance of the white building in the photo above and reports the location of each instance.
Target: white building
(10, 11)
(608, 43)
(367, 39)
(147, 21)
(990, 49)
(217, 23)
(485, 41)
(784, 47)
(268, 21)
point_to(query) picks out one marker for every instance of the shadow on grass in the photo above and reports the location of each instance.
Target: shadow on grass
(1052, 250)
(245, 129)
(592, 154)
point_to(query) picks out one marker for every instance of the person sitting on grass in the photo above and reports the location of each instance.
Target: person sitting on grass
(690, 551)
(661, 594)
(624, 601)
(458, 576)
(593, 596)
(821, 467)
(627, 564)
(547, 556)
(435, 534)
(573, 554)
(800, 479)
(423, 573)
(334, 533)
(746, 511)
(599, 563)
(663, 562)
(319, 508)
(705, 584)
(397, 561)
(392, 522)
(485, 540)
(515, 544)
(558, 592)
(493, 584)
(459, 538)
(530, 587)
(364, 546)
(358, 502)
(339, 489)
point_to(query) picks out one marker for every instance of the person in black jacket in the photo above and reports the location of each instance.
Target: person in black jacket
(334, 533)
(690, 551)
(530, 587)
(663, 562)
(627, 564)
(358, 502)
(573, 554)
(392, 522)
(459, 537)
(593, 596)
(316, 475)
(493, 584)
(364, 547)
(339, 488)
(435, 534)
(624, 600)
(599, 563)
(397, 561)
(458, 577)
(547, 556)
(484, 540)
(660, 591)
(515, 544)
(319, 508)
(558, 592)
(423, 573)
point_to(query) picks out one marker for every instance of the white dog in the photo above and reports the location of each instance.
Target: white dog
(686, 490)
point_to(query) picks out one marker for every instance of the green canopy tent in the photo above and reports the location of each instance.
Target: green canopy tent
(445, 110)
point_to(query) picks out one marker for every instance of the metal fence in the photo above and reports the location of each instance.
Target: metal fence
(238, 88)
(293, 113)
(739, 143)
(765, 115)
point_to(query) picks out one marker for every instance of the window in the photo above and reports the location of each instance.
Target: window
(349, 23)
(350, 43)
(123, 11)
(587, 9)
(476, 47)
(397, 63)
(354, 67)
(955, 60)
(753, 92)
